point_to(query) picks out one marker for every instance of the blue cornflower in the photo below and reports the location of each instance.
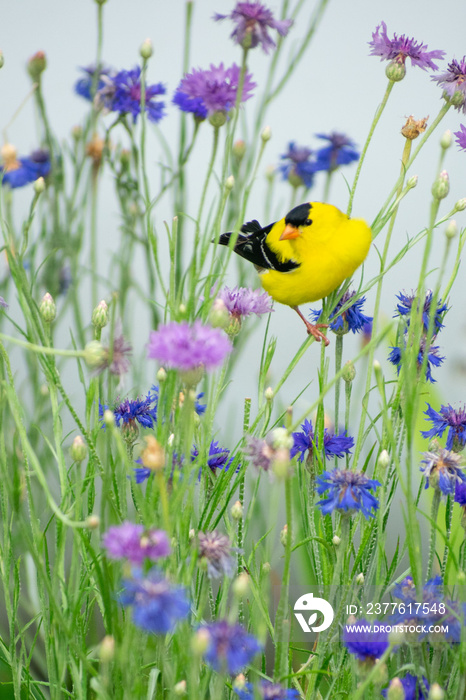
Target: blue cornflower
(17, 172)
(447, 417)
(411, 687)
(334, 445)
(83, 86)
(350, 320)
(144, 411)
(141, 473)
(340, 151)
(126, 98)
(299, 167)
(157, 605)
(433, 358)
(432, 591)
(230, 647)
(405, 308)
(349, 491)
(267, 691)
(361, 640)
(460, 493)
(218, 457)
(443, 470)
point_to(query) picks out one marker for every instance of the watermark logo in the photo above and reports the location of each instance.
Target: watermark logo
(310, 604)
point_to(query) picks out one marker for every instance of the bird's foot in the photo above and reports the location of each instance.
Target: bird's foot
(313, 329)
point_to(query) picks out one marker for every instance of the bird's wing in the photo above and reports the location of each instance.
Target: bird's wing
(253, 247)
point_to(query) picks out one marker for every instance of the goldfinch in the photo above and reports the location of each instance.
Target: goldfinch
(306, 255)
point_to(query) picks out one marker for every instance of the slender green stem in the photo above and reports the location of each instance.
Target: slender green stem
(281, 644)
(433, 531)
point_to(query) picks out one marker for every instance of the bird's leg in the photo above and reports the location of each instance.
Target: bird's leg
(313, 329)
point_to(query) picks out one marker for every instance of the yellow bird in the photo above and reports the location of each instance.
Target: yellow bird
(306, 255)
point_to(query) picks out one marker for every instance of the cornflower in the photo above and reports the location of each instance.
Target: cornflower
(352, 319)
(334, 445)
(299, 166)
(135, 544)
(252, 21)
(398, 49)
(340, 151)
(348, 491)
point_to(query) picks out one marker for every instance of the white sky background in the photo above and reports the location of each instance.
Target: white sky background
(337, 87)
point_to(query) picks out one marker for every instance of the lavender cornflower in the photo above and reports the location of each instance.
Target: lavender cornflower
(135, 544)
(409, 304)
(260, 452)
(17, 172)
(3, 303)
(157, 605)
(242, 301)
(433, 358)
(299, 167)
(340, 151)
(230, 646)
(453, 82)
(252, 20)
(447, 417)
(461, 137)
(184, 347)
(352, 319)
(216, 550)
(443, 469)
(266, 691)
(334, 445)
(83, 86)
(400, 48)
(349, 491)
(130, 410)
(218, 457)
(206, 93)
(116, 359)
(412, 688)
(126, 97)
(361, 640)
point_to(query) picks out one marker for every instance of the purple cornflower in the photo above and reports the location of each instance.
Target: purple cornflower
(206, 92)
(218, 457)
(349, 491)
(184, 347)
(126, 95)
(433, 358)
(135, 544)
(412, 688)
(83, 86)
(17, 172)
(252, 20)
(409, 304)
(352, 319)
(461, 137)
(130, 410)
(230, 648)
(116, 359)
(299, 167)
(453, 82)
(340, 151)
(443, 469)
(400, 48)
(447, 417)
(260, 452)
(266, 691)
(242, 301)
(360, 640)
(157, 605)
(334, 445)
(217, 552)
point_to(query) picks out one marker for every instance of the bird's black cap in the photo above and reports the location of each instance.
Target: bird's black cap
(299, 216)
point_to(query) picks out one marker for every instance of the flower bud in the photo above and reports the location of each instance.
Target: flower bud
(78, 449)
(446, 139)
(396, 637)
(130, 432)
(336, 540)
(2, 60)
(412, 182)
(270, 173)
(153, 457)
(266, 134)
(241, 585)
(268, 393)
(200, 641)
(349, 372)
(47, 308)
(395, 71)
(457, 99)
(229, 183)
(182, 309)
(107, 649)
(239, 149)
(219, 316)
(218, 119)
(94, 354)
(95, 149)
(39, 185)
(76, 132)
(414, 127)
(36, 65)
(240, 682)
(281, 463)
(146, 49)
(100, 315)
(460, 204)
(109, 418)
(451, 230)
(284, 535)
(92, 521)
(395, 690)
(461, 578)
(436, 692)
(281, 438)
(180, 689)
(192, 377)
(384, 459)
(441, 186)
(191, 534)
(236, 510)
(161, 375)
(360, 579)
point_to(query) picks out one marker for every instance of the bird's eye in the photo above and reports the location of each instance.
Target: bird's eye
(308, 222)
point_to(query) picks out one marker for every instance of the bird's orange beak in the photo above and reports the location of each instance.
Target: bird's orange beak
(290, 232)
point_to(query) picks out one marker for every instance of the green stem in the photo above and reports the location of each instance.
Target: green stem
(94, 236)
(281, 645)
(240, 527)
(338, 361)
(41, 348)
(433, 532)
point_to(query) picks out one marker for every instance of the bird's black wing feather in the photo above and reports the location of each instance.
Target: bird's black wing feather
(253, 247)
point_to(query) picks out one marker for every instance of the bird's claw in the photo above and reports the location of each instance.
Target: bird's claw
(313, 329)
